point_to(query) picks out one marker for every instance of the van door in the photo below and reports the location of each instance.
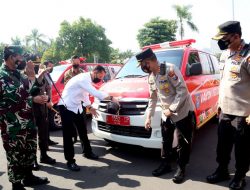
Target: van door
(203, 86)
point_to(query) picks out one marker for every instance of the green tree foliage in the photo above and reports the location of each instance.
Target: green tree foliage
(120, 57)
(184, 15)
(1, 53)
(157, 31)
(16, 41)
(35, 42)
(82, 38)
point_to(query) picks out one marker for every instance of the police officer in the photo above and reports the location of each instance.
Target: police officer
(177, 111)
(234, 105)
(41, 114)
(18, 131)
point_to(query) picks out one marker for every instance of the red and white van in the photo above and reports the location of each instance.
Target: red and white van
(58, 78)
(201, 74)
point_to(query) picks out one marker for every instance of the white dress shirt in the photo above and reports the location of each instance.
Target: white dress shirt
(77, 90)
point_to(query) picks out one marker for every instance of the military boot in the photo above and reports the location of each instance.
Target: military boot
(18, 186)
(179, 175)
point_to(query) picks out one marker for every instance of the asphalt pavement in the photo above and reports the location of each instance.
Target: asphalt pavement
(126, 167)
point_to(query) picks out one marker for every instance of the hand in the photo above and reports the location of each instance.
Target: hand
(218, 111)
(49, 105)
(93, 112)
(248, 120)
(167, 113)
(40, 99)
(115, 100)
(148, 124)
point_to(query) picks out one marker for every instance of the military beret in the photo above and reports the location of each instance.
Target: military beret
(12, 49)
(145, 54)
(228, 27)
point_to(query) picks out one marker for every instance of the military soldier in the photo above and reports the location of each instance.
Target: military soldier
(75, 69)
(177, 111)
(234, 105)
(18, 130)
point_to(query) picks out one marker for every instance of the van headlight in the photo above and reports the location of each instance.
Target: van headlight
(157, 134)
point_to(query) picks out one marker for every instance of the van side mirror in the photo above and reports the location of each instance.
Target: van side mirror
(194, 69)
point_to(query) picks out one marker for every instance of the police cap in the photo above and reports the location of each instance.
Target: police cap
(145, 54)
(228, 27)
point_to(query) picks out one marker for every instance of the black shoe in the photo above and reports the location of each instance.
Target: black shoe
(18, 186)
(74, 140)
(33, 180)
(36, 166)
(218, 176)
(52, 143)
(47, 160)
(162, 169)
(73, 167)
(91, 155)
(179, 176)
(237, 184)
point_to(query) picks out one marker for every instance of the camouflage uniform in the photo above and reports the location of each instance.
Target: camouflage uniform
(70, 73)
(18, 131)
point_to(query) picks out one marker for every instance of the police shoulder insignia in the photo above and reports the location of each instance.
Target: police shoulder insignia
(172, 74)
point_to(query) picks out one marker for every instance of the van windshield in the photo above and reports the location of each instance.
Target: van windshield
(57, 71)
(131, 69)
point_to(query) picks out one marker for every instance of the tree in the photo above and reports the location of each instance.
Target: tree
(184, 15)
(119, 57)
(16, 41)
(157, 31)
(35, 42)
(1, 53)
(83, 38)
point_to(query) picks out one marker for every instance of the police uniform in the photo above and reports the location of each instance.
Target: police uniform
(172, 93)
(18, 131)
(234, 101)
(42, 121)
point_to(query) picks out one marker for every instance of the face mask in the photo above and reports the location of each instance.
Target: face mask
(76, 66)
(223, 44)
(20, 65)
(96, 80)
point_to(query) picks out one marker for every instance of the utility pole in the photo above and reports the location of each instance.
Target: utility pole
(233, 8)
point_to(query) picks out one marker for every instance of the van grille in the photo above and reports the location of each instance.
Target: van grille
(131, 131)
(127, 108)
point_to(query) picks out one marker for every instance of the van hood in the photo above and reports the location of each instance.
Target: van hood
(127, 88)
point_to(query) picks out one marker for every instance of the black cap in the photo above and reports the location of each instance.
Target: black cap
(145, 54)
(228, 27)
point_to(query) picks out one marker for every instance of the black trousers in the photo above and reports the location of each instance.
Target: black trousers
(184, 129)
(41, 118)
(70, 120)
(237, 134)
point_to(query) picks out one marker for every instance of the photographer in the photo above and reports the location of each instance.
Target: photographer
(168, 85)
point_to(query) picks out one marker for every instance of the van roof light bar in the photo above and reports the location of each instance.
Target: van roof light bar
(171, 44)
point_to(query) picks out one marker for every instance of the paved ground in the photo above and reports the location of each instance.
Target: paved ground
(126, 167)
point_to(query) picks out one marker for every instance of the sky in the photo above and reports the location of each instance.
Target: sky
(121, 19)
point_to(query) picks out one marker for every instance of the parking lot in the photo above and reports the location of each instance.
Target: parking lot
(126, 167)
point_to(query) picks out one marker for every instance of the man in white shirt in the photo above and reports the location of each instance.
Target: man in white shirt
(76, 91)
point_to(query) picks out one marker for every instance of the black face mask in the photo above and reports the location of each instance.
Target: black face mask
(223, 44)
(20, 65)
(76, 66)
(96, 80)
